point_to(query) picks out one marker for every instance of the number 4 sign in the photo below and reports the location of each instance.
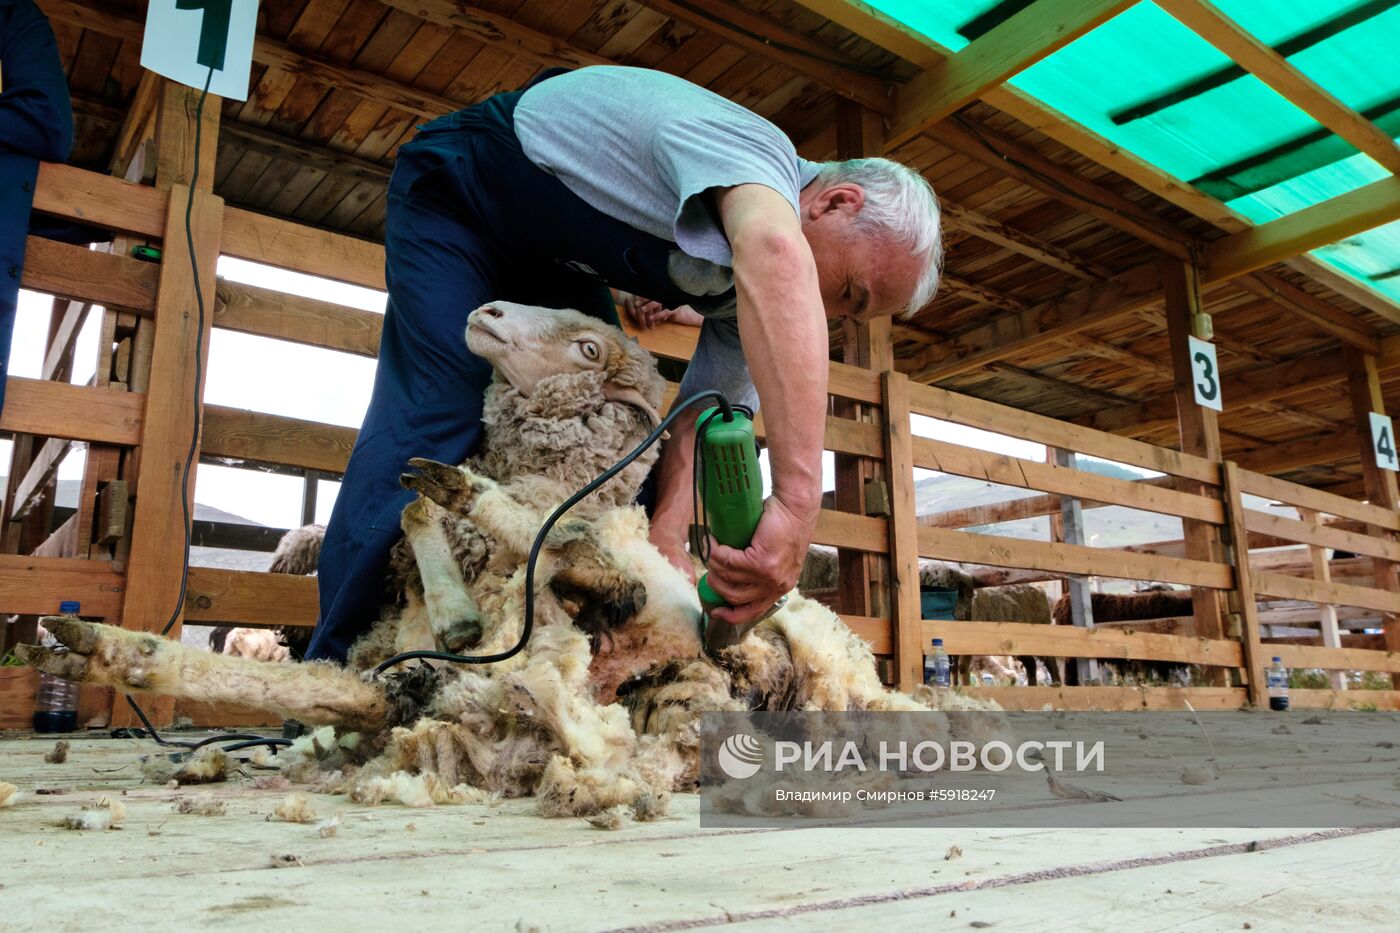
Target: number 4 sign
(1205, 374)
(1383, 442)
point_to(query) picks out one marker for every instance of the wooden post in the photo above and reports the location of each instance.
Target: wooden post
(862, 578)
(1071, 530)
(311, 482)
(1251, 645)
(1200, 435)
(1327, 613)
(906, 610)
(175, 137)
(162, 365)
(154, 565)
(1363, 381)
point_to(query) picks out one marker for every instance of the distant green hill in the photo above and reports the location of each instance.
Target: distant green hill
(1113, 470)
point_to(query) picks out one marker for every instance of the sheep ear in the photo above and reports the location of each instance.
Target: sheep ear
(630, 395)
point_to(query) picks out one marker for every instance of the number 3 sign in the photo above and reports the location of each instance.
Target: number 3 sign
(1205, 374)
(1383, 442)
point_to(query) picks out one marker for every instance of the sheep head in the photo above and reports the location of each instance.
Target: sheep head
(529, 347)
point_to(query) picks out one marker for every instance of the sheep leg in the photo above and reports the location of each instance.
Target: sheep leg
(460, 491)
(1032, 672)
(453, 488)
(453, 615)
(140, 662)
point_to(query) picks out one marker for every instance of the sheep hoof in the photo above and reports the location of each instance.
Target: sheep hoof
(74, 634)
(448, 486)
(461, 634)
(63, 664)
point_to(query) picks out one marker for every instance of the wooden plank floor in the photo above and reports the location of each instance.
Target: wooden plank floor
(501, 868)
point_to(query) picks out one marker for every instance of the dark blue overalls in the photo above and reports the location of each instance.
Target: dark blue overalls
(470, 219)
(36, 124)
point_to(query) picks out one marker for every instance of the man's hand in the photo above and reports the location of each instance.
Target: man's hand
(646, 313)
(752, 580)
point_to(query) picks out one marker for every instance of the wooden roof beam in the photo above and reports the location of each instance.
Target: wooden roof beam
(1262, 385)
(138, 125)
(500, 32)
(1336, 447)
(1347, 328)
(991, 60)
(1044, 323)
(1063, 185)
(323, 158)
(920, 50)
(1033, 247)
(765, 37)
(1357, 211)
(1207, 21)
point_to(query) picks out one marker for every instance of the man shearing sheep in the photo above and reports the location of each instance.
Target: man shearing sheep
(636, 179)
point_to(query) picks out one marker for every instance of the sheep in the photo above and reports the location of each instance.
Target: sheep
(614, 619)
(298, 552)
(1018, 602)
(260, 644)
(1156, 602)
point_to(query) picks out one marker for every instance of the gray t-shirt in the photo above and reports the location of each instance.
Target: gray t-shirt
(644, 147)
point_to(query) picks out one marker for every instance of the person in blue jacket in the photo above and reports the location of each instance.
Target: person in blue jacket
(36, 125)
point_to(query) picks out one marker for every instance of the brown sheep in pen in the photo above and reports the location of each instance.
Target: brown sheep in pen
(299, 552)
(1017, 602)
(611, 613)
(1130, 607)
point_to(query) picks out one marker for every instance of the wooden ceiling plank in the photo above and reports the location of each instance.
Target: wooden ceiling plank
(275, 54)
(1078, 310)
(1029, 245)
(1064, 185)
(763, 36)
(989, 61)
(1345, 327)
(1256, 57)
(500, 31)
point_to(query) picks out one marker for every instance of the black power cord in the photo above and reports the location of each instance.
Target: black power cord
(726, 410)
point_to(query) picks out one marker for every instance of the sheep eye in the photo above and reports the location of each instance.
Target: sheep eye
(590, 349)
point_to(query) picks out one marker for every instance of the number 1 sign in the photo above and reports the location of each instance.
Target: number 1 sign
(1383, 442)
(1205, 374)
(194, 41)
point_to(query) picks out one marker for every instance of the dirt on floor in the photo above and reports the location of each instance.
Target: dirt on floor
(228, 859)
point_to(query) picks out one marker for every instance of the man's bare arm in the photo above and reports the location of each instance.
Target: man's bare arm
(782, 327)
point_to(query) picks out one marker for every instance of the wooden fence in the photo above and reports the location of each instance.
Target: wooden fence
(119, 553)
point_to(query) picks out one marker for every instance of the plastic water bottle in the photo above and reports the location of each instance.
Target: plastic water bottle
(936, 667)
(1277, 681)
(56, 706)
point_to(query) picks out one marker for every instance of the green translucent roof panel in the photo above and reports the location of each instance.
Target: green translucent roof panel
(1213, 137)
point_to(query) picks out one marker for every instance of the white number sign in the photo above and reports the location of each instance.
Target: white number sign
(1205, 373)
(198, 41)
(1383, 442)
